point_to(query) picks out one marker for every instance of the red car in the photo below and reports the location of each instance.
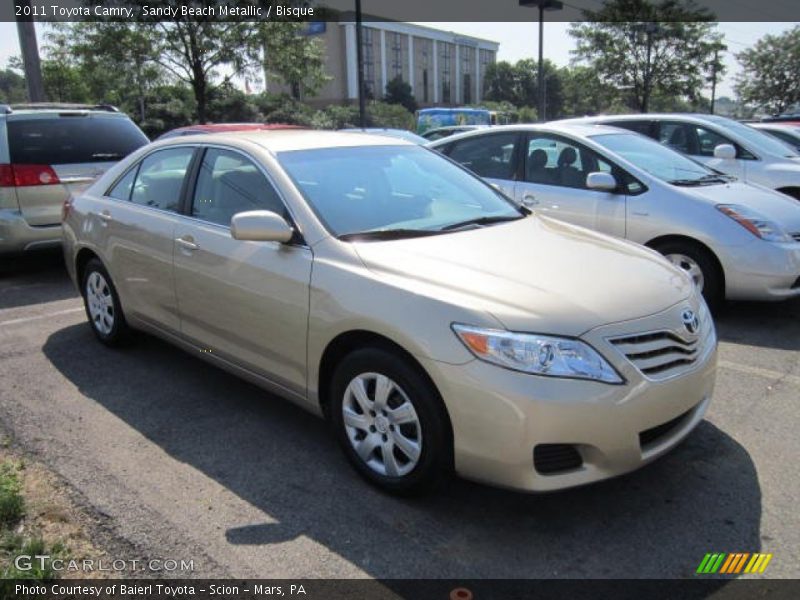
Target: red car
(224, 128)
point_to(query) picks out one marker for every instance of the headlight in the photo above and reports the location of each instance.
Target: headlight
(757, 224)
(537, 354)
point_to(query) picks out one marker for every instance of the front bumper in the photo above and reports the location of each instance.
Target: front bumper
(499, 416)
(762, 271)
(16, 235)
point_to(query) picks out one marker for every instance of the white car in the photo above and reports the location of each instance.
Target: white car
(735, 240)
(722, 144)
(788, 132)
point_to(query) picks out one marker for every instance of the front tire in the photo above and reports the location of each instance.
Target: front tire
(390, 422)
(700, 265)
(101, 301)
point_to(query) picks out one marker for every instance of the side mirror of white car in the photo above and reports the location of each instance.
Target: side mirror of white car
(260, 226)
(601, 182)
(725, 151)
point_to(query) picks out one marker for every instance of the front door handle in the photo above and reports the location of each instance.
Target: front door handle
(529, 200)
(187, 242)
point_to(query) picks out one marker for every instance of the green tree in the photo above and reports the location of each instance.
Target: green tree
(296, 59)
(12, 87)
(399, 92)
(500, 82)
(647, 47)
(771, 72)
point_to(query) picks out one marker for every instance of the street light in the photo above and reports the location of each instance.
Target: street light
(542, 5)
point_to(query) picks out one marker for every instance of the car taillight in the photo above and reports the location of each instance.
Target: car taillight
(27, 175)
(65, 208)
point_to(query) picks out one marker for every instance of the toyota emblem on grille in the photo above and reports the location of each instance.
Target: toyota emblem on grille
(690, 320)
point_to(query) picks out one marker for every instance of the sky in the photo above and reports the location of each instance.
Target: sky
(520, 40)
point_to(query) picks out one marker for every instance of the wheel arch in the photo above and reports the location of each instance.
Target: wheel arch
(685, 239)
(348, 341)
(81, 260)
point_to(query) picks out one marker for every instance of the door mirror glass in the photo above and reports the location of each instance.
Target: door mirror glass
(725, 151)
(601, 182)
(260, 226)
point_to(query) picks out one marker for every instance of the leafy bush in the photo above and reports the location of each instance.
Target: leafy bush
(12, 505)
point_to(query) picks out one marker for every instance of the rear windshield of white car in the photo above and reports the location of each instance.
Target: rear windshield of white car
(391, 188)
(658, 160)
(72, 139)
(757, 139)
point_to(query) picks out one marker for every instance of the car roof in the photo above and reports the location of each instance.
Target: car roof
(576, 128)
(285, 140)
(698, 117)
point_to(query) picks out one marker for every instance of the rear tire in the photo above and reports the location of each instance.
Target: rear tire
(101, 301)
(390, 422)
(699, 264)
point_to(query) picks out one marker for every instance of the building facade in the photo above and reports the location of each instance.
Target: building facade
(443, 68)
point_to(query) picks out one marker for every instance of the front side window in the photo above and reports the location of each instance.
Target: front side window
(391, 189)
(490, 156)
(560, 162)
(160, 178)
(229, 183)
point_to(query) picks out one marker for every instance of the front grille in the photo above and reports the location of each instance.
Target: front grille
(657, 355)
(549, 459)
(654, 434)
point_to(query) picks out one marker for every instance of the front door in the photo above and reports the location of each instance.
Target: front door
(246, 302)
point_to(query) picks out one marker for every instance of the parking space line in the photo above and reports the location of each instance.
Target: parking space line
(38, 317)
(761, 372)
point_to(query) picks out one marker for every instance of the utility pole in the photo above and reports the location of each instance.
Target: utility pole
(30, 54)
(542, 5)
(362, 111)
(714, 80)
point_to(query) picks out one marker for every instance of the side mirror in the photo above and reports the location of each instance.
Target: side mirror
(601, 182)
(725, 151)
(260, 226)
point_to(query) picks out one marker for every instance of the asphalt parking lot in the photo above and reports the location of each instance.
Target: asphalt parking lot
(187, 462)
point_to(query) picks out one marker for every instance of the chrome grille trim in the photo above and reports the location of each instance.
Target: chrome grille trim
(661, 354)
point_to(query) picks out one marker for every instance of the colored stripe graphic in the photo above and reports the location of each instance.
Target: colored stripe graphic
(734, 563)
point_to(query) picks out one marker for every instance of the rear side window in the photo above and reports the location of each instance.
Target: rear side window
(122, 190)
(72, 139)
(230, 183)
(160, 179)
(643, 127)
(492, 156)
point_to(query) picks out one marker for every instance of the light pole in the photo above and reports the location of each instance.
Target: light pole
(362, 113)
(30, 56)
(542, 5)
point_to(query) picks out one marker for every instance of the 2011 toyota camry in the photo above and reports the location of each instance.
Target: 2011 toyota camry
(436, 324)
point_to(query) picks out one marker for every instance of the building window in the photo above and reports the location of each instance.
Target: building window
(466, 77)
(447, 57)
(425, 47)
(486, 58)
(368, 49)
(397, 56)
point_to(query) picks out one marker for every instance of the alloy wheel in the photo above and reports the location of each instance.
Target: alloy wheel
(691, 267)
(100, 302)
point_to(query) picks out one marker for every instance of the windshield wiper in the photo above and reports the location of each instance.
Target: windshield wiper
(481, 221)
(386, 234)
(704, 180)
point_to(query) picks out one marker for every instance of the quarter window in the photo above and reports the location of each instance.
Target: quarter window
(160, 179)
(230, 183)
(490, 156)
(122, 190)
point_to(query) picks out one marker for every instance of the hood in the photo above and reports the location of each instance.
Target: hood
(775, 206)
(536, 274)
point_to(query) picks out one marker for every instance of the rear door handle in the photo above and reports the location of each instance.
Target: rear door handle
(187, 242)
(105, 217)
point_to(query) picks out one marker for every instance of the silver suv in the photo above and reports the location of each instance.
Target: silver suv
(47, 153)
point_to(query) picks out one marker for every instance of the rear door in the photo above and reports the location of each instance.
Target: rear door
(245, 302)
(139, 234)
(54, 155)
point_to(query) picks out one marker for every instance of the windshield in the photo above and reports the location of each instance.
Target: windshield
(658, 160)
(402, 189)
(757, 139)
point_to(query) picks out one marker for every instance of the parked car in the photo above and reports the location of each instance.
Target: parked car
(223, 128)
(381, 285)
(403, 134)
(787, 132)
(443, 132)
(720, 143)
(47, 152)
(735, 240)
